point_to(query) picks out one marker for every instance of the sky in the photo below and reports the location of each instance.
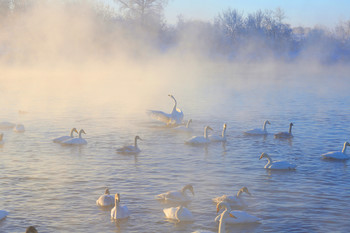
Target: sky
(307, 13)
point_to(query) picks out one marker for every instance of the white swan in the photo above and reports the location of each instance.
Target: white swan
(3, 214)
(235, 200)
(277, 165)
(106, 199)
(177, 196)
(337, 154)
(180, 213)
(198, 140)
(239, 216)
(262, 131)
(19, 128)
(175, 117)
(184, 128)
(64, 138)
(214, 138)
(76, 141)
(6, 125)
(285, 134)
(130, 149)
(119, 212)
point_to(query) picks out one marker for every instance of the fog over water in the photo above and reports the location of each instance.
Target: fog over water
(63, 67)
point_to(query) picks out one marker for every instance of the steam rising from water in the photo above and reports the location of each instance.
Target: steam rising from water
(57, 57)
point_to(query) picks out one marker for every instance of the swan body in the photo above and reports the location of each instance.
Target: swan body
(105, 200)
(19, 128)
(222, 138)
(285, 134)
(184, 128)
(130, 149)
(239, 216)
(3, 214)
(277, 165)
(31, 229)
(341, 155)
(119, 212)
(262, 131)
(76, 141)
(180, 213)
(173, 118)
(198, 140)
(7, 125)
(177, 196)
(235, 200)
(64, 138)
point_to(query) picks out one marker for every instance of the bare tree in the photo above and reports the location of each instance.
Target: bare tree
(146, 11)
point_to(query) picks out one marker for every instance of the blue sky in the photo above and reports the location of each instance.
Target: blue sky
(297, 12)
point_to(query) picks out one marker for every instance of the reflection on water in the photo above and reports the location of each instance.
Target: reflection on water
(55, 187)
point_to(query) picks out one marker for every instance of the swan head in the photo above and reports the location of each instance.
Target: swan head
(268, 122)
(245, 189)
(263, 155)
(117, 197)
(208, 128)
(225, 126)
(74, 130)
(31, 229)
(82, 131)
(107, 191)
(291, 124)
(171, 96)
(137, 137)
(222, 205)
(345, 143)
(189, 187)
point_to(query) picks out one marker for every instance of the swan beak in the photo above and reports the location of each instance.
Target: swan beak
(232, 216)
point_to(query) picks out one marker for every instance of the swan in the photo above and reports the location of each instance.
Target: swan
(64, 138)
(106, 199)
(130, 149)
(285, 134)
(235, 200)
(6, 125)
(277, 165)
(175, 117)
(31, 229)
(76, 141)
(337, 154)
(119, 212)
(3, 214)
(262, 131)
(19, 128)
(177, 196)
(185, 128)
(239, 216)
(214, 138)
(180, 213)
(197, 140)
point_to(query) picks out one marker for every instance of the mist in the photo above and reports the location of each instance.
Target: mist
(56, 57)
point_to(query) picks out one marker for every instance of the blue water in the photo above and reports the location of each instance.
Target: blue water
(55, 187)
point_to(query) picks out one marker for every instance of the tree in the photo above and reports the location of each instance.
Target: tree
(145, 11)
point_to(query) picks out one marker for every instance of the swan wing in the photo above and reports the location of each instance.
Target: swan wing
(255, 132)
(170, 212)
(335, 155)
(105, 200)
(61, 139)
(282, 165)
(160, 116)
(241, 217)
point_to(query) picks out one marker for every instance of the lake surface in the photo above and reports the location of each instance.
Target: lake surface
(55, 187)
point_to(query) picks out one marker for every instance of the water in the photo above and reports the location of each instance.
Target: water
(55, 187)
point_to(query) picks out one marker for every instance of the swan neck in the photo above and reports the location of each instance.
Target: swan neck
(178, 212)
(268, 159)
(80, 134)
(222, 225)
(206, 132)
(344, 148)
(71, 133)
(290, 129)
(223, 132)
(188, 124)
(239, 193)
(264, 126)
(135, 142)
(174, 109)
